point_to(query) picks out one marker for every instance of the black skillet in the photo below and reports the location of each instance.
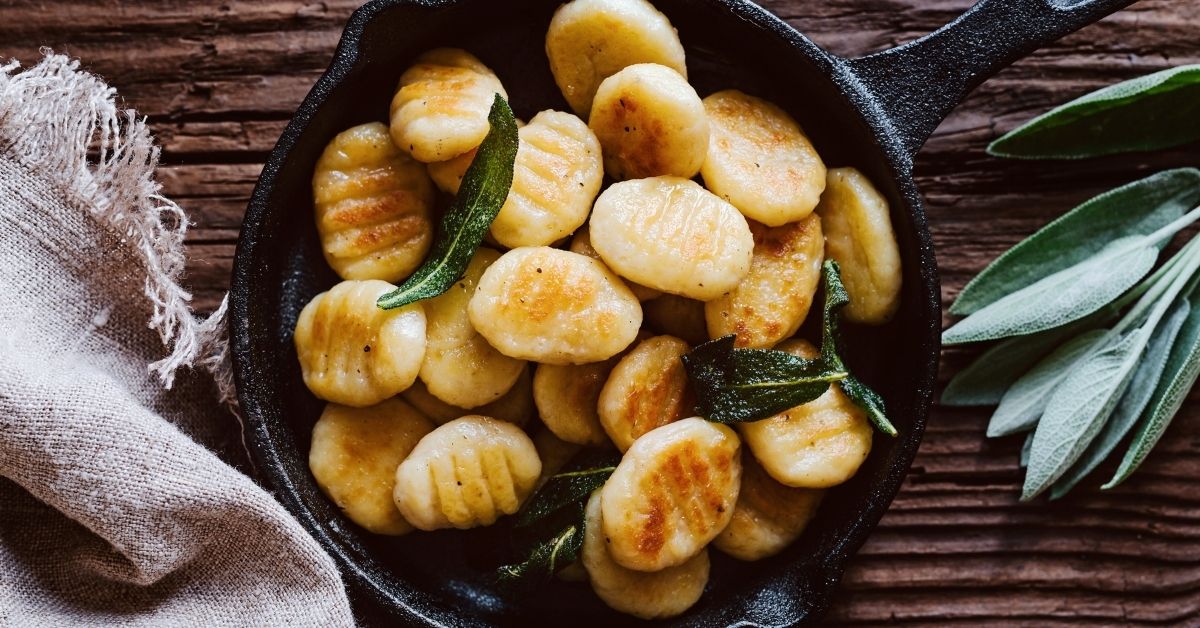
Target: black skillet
(873, 113)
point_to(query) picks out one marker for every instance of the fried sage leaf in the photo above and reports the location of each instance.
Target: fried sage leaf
(482, 193)
(1141, 207)
(1159, 110)
(584, 473)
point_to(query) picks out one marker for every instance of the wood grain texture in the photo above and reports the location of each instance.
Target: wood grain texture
(218, 82)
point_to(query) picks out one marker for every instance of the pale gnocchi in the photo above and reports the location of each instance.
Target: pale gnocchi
(760, 160)
(858, 234)
(441, 105)
(556, 307)
(648, 595)
(448, 175)
(672, 493)
(650, 123)
(354, 455)
(582, 244)
(647, 389)
(460, 367)
(466, 473)
(672, 235)
(815, 445)
(373, 206)
(353, 353)
(516, 406)
(773, 300)
(590, 40)
(768, 516)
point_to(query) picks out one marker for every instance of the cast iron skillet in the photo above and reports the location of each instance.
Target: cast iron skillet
(873, 113)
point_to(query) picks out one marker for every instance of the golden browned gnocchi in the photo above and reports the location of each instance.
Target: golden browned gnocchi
(566, 397)
(815, 445)
(460, 367)
(772, 301)
(373, 206)
(466, 473)
(672, 235)
(354, 455)
(677, 316)
(353, 353)
(581, 243)
(672, 493)
(556, 307)
(590, 40)
(648, 595)
(440, 108)
(768, 515)
(650, 123)
(516, 406)
(858, 234)
(759, 159)
(647, 389)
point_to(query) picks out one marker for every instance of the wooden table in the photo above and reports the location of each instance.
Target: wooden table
(219, 80)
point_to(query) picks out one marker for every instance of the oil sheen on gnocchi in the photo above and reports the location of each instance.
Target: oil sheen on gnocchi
(353, 353)
(647, 389)
(467, 473)
(373, 206)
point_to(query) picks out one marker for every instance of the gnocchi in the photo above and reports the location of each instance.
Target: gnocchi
(773, 300)
(448, 175)
(672, 235)
(647, 389)
(858, 234)
(650, 123)
(553, 452)
(556, 307)
(590, 40)
(677, 316)
(353, 353)
(768, 516)
(460, 367)
(441, 105)
(566, 397)
(373, 206)
(466, 473)
(760, 160)
(516, 406)
(672, 493)
(815, 445)
(582, 244)
(354, 455)
(647, 595)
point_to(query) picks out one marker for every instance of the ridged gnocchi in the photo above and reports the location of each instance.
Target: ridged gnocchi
(648, 595)
(768, 516)
(466, 473)
(677, 316)
(650, 123)
(354, 455)
(566, 397)
(373, 206)
(646, 390)
(760, 160)
(353, 353)
(516, 406)
(672, 235)
(460, 367)
(815, 445)
(553, 306)
(441, 105)
(671, 494)
(858, 234)
(773, 300)
(590, 40)
(448, 175)
(581, 243)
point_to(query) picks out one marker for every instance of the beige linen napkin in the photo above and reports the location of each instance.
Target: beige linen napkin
(114, 506)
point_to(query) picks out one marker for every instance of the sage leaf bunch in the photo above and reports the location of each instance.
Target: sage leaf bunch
(482, 193)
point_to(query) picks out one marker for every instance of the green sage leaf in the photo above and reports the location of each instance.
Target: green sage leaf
(584, 473)
(1079, 408)
(1180, 373)
(1062, 297)
(1156, 111)
(1133, 402)
(1023, 404)
(482, 193)
(1026, 447)
(1141, 207)
(546, 558)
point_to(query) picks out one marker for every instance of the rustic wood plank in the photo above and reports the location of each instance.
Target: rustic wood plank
(219, 81)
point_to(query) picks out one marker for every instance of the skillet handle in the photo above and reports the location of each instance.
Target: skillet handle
(917, 85)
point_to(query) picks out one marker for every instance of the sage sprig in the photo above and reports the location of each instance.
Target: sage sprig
(1159, 110)
(482, 193)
